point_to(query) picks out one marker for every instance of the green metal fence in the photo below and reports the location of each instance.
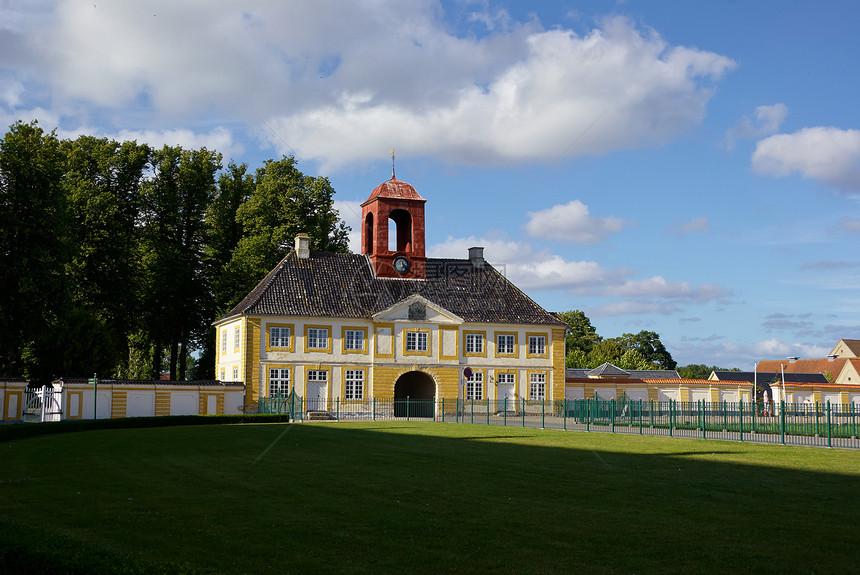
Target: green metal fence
(785, 423)
(292, 404)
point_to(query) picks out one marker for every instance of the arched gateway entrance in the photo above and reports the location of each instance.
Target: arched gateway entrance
(414, 391)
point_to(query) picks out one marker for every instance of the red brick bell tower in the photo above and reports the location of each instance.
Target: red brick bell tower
(398, 202)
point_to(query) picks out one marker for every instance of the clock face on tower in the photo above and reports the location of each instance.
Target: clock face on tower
(401, 265)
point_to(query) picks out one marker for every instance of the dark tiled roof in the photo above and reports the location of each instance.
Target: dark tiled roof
(577, 373)
(344, 286)
(608, 370)
(654, 374)
(768, 377)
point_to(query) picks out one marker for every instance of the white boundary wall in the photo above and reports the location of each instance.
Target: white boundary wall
(148, 398)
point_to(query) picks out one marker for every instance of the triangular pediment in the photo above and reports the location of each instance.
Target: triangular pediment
(417, 309)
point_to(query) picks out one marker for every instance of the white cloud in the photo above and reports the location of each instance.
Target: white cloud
(633, 307)
(528, 269)
(742, 355)
(765, 121)
(10, 93)
(46, 119)
(699, 224)
(534, 106)
(492, 20)
(542, 270)
(830, 155)
(219, 139)
(768, 348)
(658, 286)
(344, 80)
(571, 222)
(850, 225)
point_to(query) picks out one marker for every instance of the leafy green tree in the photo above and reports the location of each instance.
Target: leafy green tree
(178, 303)
(580, 333)
(225, 231)
(33, 247)
(577, 358)
(102, 184)
(633, 359)
(649, 345)
(700, 370)
(285, 203)
(608, 350)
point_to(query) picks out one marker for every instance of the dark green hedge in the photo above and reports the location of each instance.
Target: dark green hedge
(15, 431)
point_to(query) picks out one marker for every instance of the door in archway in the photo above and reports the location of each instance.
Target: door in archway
(414, 395)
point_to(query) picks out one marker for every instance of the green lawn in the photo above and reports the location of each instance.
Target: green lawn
(422, 498)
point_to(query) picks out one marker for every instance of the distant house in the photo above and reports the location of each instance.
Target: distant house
(849, 348)
(609, 381)
(840, 369)
(835, 369)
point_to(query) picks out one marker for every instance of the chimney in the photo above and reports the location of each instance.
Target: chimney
(303, 246)
(476, 256)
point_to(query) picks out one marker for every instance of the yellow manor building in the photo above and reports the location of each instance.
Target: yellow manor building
(390, 323)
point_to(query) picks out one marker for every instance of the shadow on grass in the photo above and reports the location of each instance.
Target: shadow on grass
(356, 498)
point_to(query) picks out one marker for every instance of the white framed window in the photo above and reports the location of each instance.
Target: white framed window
(279, 382)
(537, 345)
(236, 338)
(416, 341)
(317, 338)
(475, 385)
(506, 343)
(235, 374)
(353, 339)
(224, 341)
(537, 386)
(506, 378)
(279, 337)
(223, 373)
(353, 384)
(317, 375)
(474, 343)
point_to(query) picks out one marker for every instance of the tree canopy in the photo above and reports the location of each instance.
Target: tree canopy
(115, 258)
(586, 349)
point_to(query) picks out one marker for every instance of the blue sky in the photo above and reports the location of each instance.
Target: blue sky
(691, 168)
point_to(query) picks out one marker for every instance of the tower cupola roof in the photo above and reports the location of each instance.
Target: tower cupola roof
(394, 189)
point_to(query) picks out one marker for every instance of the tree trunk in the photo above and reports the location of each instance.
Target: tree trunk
(183, 359)
(156, 361)
(173, 355)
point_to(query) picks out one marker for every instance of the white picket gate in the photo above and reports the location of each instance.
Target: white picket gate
(43, 404)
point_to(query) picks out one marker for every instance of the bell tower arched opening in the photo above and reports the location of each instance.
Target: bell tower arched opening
(367, 234)
(403, 230)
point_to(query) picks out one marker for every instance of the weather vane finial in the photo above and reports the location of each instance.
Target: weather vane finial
(392, 164)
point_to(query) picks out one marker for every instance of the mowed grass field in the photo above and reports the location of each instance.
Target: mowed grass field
(399, 497)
